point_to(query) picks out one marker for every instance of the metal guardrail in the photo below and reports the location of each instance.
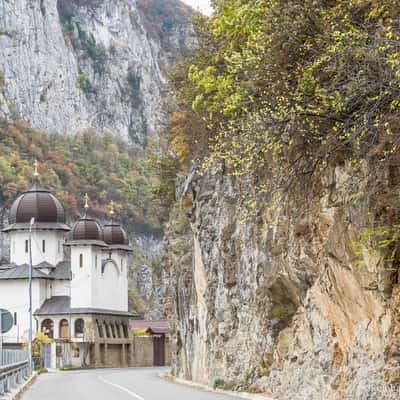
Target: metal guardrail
(13, 357)
(15, 369)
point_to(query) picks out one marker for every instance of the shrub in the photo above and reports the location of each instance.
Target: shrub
(84, 83)
(2, 79)
(219, 383)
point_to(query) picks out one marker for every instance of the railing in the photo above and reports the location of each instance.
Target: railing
(13, 357)
(14, 369)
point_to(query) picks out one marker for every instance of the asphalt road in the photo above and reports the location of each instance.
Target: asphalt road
(113, 384)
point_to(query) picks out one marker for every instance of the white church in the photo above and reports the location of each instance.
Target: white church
(79, 282)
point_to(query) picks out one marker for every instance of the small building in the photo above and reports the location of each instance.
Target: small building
(79, 283)
(159, 331)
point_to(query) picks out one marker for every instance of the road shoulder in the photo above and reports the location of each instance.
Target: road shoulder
(240, 395)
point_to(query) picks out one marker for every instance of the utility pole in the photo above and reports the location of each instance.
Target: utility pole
(30, 294)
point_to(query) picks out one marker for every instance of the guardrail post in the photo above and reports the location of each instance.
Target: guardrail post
(6, 385)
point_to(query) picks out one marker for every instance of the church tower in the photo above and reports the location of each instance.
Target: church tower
(86, 246)
(38, 211)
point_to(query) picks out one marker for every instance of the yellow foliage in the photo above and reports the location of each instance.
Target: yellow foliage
(40, 339)
(140, 332)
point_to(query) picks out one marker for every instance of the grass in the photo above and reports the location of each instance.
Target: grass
(68, 367)
(41, 370)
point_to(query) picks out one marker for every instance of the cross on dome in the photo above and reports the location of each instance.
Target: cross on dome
(86, 206)
(35, 165)
(112, 209)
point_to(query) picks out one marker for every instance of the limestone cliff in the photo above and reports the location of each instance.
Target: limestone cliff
(66, 66)
(303, 304)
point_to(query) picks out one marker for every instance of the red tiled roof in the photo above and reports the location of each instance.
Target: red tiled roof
(158, 327)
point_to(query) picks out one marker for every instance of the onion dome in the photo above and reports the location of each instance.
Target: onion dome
(114, 234)
(87, 229)
(37, 203)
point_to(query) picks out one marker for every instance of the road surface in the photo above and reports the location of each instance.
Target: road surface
(113, 384)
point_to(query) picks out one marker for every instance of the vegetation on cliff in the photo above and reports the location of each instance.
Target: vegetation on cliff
(283, 88)
(73, 165)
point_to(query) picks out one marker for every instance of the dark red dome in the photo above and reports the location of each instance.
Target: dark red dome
(87, 229)
(38, 203)
(115, 234)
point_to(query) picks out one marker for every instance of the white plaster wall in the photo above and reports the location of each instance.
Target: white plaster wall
(111, 287)
(54, 246)
(14, 297)
(92, 288)
(81, 284)
(121, 259)
(59, 288)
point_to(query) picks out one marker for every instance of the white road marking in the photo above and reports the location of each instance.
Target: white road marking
(136, 396)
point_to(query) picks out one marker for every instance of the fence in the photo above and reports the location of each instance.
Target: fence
(10, 357)
(14, 369)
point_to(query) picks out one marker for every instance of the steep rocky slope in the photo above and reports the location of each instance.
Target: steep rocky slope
(284, 247)
(69, 65)
(303, 305)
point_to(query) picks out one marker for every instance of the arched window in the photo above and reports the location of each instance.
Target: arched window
(107, 329)
(80, 260)
(99, 328)
(125, 329)
(48, 328)
(43, 246)
(64, 334)
(79, 326)
(112, 330)
(118, 329)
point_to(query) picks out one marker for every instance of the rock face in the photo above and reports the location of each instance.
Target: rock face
(304, 305)
(69, 65)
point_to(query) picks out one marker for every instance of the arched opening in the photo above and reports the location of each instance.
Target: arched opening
(125, 330)
(48, 328)
(99, 328)
(107, 329)
(64, 327)
(79, 327)
(118, 329)
(112, 330)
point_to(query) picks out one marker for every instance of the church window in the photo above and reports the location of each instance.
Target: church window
(15, 318)
(107, 329)
(43, 246)
(79, 326)
(80, 260)
(122, 264)
(118, 329)
(96, 261)
(112, 330)
(48, 328)
(26, 246)
(125, 329)
(99, 328)
(64, 329)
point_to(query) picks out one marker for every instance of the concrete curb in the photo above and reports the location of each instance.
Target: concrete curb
(21, 390)
(240, 395)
